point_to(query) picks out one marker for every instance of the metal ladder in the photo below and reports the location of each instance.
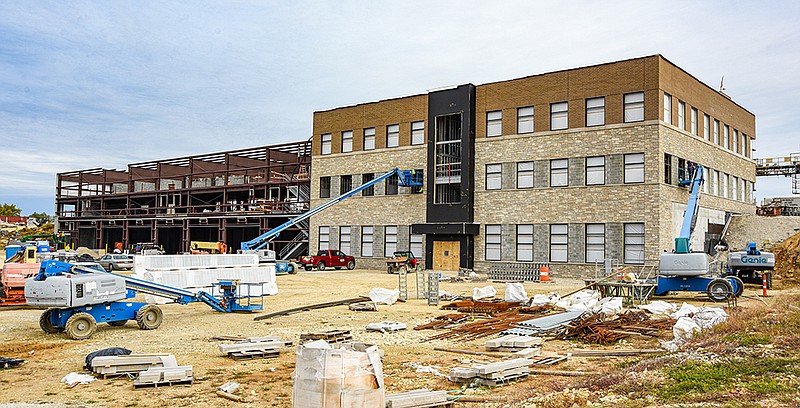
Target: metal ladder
(402, 283)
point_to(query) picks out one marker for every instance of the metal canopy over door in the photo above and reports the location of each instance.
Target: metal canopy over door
(446, 255)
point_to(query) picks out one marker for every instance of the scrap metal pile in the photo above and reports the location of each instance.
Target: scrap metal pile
(487, 327)
(599, 329)
(474, 306)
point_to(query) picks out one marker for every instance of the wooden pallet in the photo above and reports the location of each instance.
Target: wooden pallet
(253, 354)
(331, 336)
(168, 383)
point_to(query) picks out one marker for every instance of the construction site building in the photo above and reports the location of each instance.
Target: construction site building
(230, 196)
(568, 167)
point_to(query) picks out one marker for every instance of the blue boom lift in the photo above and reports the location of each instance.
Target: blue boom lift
(408, 178)
(683, 270)
(81, 297)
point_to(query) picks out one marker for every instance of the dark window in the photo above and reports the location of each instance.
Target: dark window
(366, 178)
(391, 185)
(345, 184)
(683, 174)
(447, 180)
(667, 168)
(324, 187)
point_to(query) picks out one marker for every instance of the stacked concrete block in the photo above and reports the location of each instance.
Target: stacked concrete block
(492, 374)
(164, 376)
(131, 364)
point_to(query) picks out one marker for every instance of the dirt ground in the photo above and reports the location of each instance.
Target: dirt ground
(187, 330)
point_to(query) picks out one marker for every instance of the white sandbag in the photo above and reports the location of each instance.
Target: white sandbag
(485, 292)
(381, 296)
(347, 377)
(515, 292)
(659, 307)
(609, 306)
(542, 299)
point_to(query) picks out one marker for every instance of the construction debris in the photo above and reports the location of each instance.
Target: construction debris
(130, 364)
(10, 362)
(483, 328)
(488, 307)
(384, 296)
(486, 292)
(492, 374)
(330, 336)
(444, 321)
(294, 310)
(542, 325)
(386, 326)
(595, 329)
(611, 353)
(111, 351)
(227, 391)
(421, 398)
(513, 342)
(476, 353)
(363, 307)
(164, 376)
(73, 379)
(254, 347)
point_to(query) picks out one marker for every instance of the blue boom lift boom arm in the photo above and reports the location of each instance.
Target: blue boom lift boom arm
(408, 178)
(690, 216)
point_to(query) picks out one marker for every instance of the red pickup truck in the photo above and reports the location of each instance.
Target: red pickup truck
(328, 258)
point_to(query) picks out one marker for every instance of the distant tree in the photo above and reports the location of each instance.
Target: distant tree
(41, 218)
(10, 210)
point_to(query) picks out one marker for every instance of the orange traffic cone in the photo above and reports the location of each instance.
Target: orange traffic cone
(544, 274)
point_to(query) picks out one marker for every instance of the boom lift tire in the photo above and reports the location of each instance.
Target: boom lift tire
(321, 266)
(118, 323)
(719, 289)
(149, 317)
(46, 324)
(294, 267)
(739, 286)
(80, 326)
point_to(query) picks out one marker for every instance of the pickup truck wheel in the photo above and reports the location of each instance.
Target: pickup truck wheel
(149, 317)
(351, 265)
(309, 267)
(80, 326)
(321, 265)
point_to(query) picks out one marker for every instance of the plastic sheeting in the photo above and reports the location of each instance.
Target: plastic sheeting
(691, 322)
(485, 292)
(74, 378)
(609, 306)
(327, 377)
(580, 302)
(542, 299)
(659, 307)
(381, 296)
(515, 292)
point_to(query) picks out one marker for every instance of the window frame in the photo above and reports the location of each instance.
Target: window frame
(393, 136)
(667, 108)
(525, 119)
(593, 246)
(594, 110)
(633, 107)
(347, 141)
(527, 245)
(391, 185)
(367, 243)
(345, 188)
(602, 168)
(418, 132)
(494, 172)
(706, 127)
(630, 166)
(626, 245)
(349, 238)
(326, 235)
(369, 138)
(526, 173)
(693, 121)
(322, 182)
(564, 169)
(389, 244)
(327, 144)
(560, 246)
(494, 125)
(681, 115)
(493, 234)
(416, 246)
(559, 115)
(369, 191)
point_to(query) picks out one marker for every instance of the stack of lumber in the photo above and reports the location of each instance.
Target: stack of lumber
(330, 336)
(254, 347)
(164, 376)
(130, 364)
(422, 398)
(492, 374)
(513, 342)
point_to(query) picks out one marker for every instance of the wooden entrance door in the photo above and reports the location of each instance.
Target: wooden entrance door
(446, 255)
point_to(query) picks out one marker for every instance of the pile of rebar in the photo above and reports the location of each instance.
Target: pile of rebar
(473, 306)
(444, 321)
(487, 327)
(598, 329)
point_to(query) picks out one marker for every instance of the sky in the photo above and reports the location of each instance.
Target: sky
(103, 84)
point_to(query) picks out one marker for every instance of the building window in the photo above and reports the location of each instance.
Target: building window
(681, 115)
(706, 180)
(634, 168)
(525, 119)
(392, 183)
(494, 123)
(559, 172)
(634, 107)
(715, 178)
(693, 126)
(494, 239)
(367, 236)
(634, 243)
(325, 187)
(390, 241)
(734, 188)
(736, 140)
(369, 138)
(559, 239)
(494, 176)
(724, 179)
(716, 132)
(324, 238)
(596, 111)
(447, 178)
(726, 137)
(344, 239)
(366, 178)
(326, 143)
(668, 108)
(345, 184)
(347, 141)
(558, 116)
(595, 170)
(525, 243)
(415, 243)
(418, 132)
(392, 135)
(745, 147)
(595, 242)
(668, 168)
(706, 124)
(525, 174)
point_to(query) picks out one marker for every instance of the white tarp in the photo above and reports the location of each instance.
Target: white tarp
(381, 296)
(347, 377)
(687, 326)
(659, 307)
(386, 326)
(580, 302)
(545, 299)
(609, 306)
(515, 292)
(485, 292)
